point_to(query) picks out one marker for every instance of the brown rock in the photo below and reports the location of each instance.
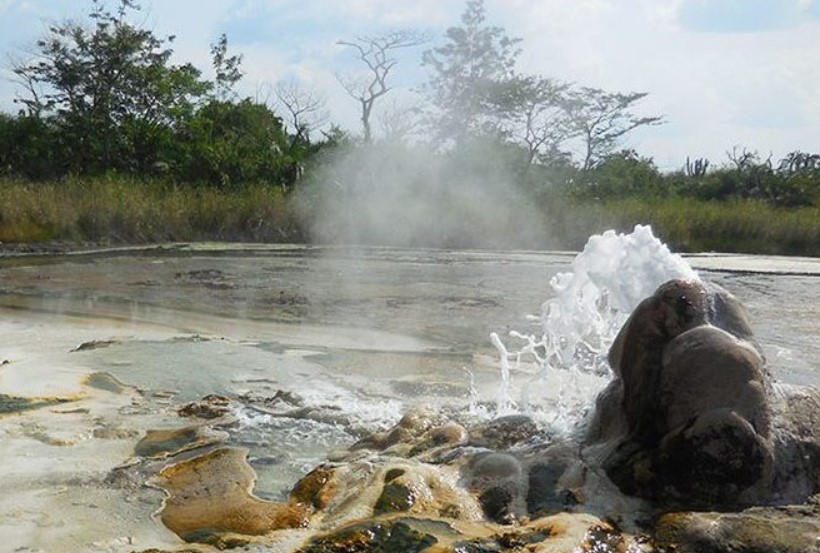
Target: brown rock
(209, 498)
(162, 443)
(756, 530)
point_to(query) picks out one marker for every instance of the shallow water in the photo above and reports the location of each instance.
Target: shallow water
(359, 335)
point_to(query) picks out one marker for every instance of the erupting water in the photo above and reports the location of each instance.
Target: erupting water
(609, 278)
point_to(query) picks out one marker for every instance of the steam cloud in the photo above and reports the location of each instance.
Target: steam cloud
(396, 194)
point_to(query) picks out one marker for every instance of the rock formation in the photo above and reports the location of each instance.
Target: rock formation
(693, 418)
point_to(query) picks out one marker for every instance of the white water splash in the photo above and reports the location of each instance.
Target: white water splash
(609, 278)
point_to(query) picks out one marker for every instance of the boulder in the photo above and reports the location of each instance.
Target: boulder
(693, 418)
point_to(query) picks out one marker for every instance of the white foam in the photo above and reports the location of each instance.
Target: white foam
(609, 278)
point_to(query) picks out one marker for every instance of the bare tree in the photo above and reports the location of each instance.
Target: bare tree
(399, 120)
(376, 54)
(306, 109)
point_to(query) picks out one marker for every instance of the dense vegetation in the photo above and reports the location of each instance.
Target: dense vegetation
(115, 143)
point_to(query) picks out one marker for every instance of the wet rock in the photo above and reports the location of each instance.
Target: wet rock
(494, 467)
(448, 435)
(211, 406)
(504, 432)
(395, 497)
(793, 529)
(379, 441)
(497, 504)
(13, 404)
(105, 381)
(210, 501)
(545, 493)
(280, 398)
(317, 488)
(692, 417)
(372, 537)
(162, 443)
(603, 538)
(497, 479)
(419, 420)
(94, 344)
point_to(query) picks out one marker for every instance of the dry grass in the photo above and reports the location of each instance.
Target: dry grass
(689, 225)
(120, 210)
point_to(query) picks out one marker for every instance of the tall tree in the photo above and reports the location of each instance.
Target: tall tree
(602, 118)
(109, 88)
(533, 112)
(227, 69)
(376, 53)
(467, 71)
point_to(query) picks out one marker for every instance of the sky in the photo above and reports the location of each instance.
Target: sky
(724, 74)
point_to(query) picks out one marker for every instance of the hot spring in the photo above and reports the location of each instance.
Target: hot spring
(309, 350)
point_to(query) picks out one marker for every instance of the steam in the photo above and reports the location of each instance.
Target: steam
(395, 194)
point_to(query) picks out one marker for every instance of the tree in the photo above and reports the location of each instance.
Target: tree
(469, 72)
(533, 111)
(376, 52)
(109, 89)
(305, 108)
(227, 69)
(602, 118)
(229, 143)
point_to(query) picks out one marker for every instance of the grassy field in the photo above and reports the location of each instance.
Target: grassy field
(116, 210)
(120, 211)
(690, 225)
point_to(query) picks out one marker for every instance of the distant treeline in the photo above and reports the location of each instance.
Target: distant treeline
(101, 102)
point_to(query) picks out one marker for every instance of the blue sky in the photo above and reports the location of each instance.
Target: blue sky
(722, 72)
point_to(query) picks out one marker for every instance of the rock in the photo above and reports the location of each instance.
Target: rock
(372, 537)
(545, 493)
(497, 503)
(317, 488)
(210, 501)
(693, 417)
(793, 529)
(450, 434)
(493, 467)
(497, 479)
(94, 344)
(211, 406)
(504, 432)
(395, 497)
(162, 443)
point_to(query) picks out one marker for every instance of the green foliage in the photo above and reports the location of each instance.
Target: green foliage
(623, 174)
(28, 147)
(104, 98)
(795, 182)
(226, 144)
(227, 68)
(109, 90)
(467, 71)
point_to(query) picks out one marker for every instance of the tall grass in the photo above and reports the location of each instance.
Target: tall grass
(121, 210)
(691, 225)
